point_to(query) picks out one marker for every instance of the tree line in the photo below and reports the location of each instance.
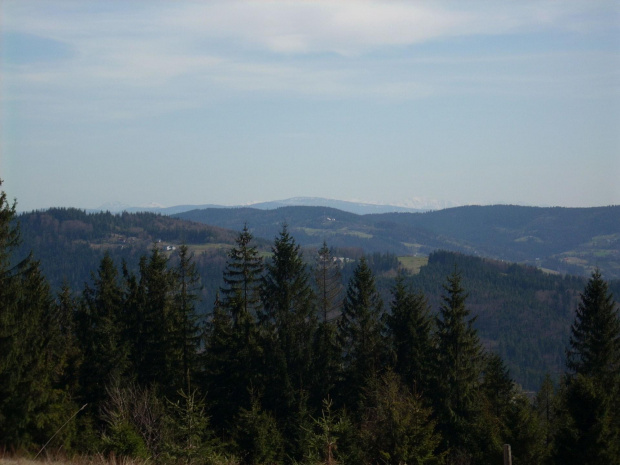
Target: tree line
(289, 367)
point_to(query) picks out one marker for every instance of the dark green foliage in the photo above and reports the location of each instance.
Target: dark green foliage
(34, 403)
(522, 312)
(525, 432)
(123, 440)
(396, 427)
(242, 278)
(159, 355)
(326, 370)
(328, 284)
(591, 428)
(589, 434)
(288, 318)
(498, 395)
(190, 437)
(458, 373)
(409, 328)
(288, 322)
(234, 356)
(233, 362)
(34, 400)
(100, 323)
(498, 388)
(546, 406)
(326, 350)
(361, 333)
(333, 438)
(258, 437)
(187, 331)
(323, 436)
(595, 335)
(70, 243)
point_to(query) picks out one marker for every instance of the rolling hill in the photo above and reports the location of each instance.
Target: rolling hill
(563, 240)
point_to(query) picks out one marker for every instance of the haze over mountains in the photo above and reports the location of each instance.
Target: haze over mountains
(559, 239)
(564, 240)
(417, 204)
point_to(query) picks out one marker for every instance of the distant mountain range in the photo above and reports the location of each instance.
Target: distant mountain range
(359, 208)
(564, 240)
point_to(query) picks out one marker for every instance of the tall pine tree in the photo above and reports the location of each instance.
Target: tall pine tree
(409, 328)
(233, 355)
(159, 357)
(187, 332)
(361, 333)
(33, 353)
(326, 370)
(328, 284)
(289, 312)
(458, 373)
(243, 278)
(101, 331)
(591, 431)
(288, 323)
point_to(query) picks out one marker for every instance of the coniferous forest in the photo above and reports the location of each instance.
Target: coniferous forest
(289, 366)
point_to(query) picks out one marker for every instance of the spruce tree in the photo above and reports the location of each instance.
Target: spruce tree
(288, 324)
(547, 411)
(458, 373)
(159, 359)
(326, 349)
(409, 328)
(328, 284)
(10, 327)
(33, 352)
(33, 404)
(67, 306)
(134, 296)
(187, 331)
(242, 278)
(497, 386)
(101, 331)
(525, 432)
(396, 426)
(234, 356)
(498, 398)
(219, 359)
(361, 333)
(594, 347)
(289, 312)
(591, 430)
(258, 436)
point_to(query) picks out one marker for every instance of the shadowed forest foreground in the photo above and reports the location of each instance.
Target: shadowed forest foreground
(288, 368)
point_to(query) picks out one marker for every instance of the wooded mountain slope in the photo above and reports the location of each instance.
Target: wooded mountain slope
(566, 240)
(523, 313)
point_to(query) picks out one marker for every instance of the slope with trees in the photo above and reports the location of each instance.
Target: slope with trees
(567, 240)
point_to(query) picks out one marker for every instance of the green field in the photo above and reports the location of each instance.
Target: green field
(329, 232)
(413, 264)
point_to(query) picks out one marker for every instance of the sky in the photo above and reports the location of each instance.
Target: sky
(231, 102)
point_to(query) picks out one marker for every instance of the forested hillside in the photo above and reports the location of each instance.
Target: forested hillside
(566, 240)
(522, 313)
(70, 243)
(294, 366)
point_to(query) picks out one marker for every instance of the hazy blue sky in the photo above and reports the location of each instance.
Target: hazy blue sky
(231, 102)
